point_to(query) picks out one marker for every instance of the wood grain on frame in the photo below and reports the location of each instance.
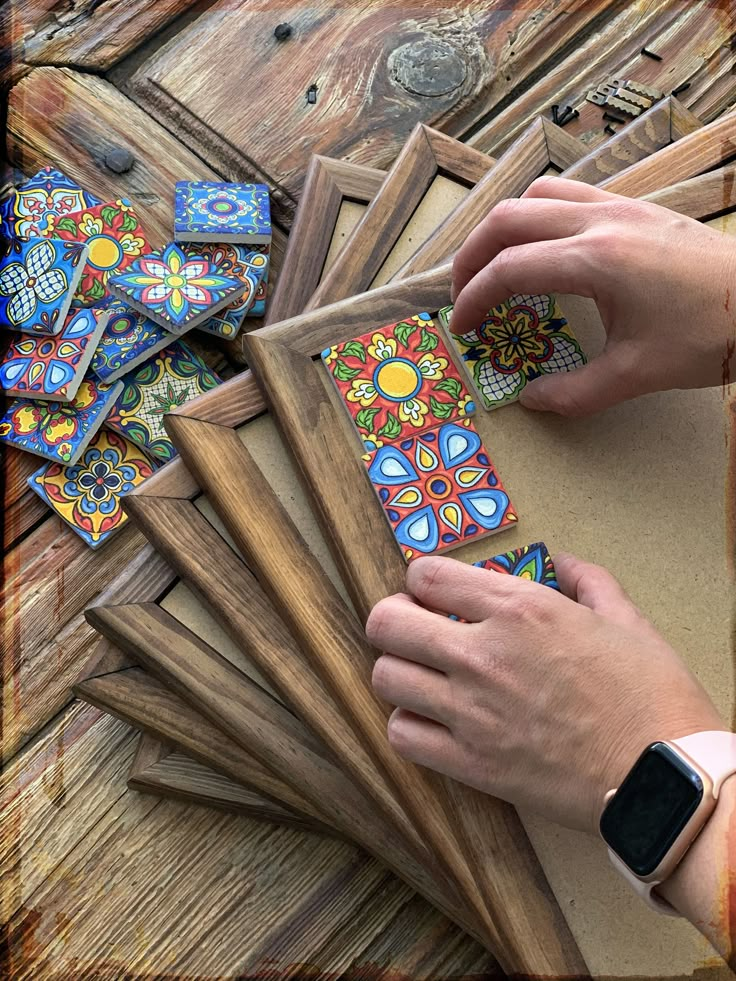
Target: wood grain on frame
(329, 183)
(426, 155)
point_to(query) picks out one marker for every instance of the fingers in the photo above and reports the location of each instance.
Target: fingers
(455, 587)
(410, 686)
(595, 587)
(401, 627)
(424, 742)
(561, 189)
(603, 382)
(516, 221)
(537, 267)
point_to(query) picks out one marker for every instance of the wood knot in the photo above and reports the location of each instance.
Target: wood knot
(119, 160)
(428, 67)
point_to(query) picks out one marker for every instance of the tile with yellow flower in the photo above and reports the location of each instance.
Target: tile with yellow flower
(59, 430)
(115, 238)
(88, 494)
(398, 380)
(520, 340)
(167, 381)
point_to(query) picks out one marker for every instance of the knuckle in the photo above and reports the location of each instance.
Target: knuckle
(542, 187)
(424, 575)
(505, 210)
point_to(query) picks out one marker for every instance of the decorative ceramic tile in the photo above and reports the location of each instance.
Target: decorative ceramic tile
(397, 380)
(248, 265)
(170, 379)
(33, 208)
(59, 431)
(439, 489)
(129, 338)
(37, 280)
(528, 562)
(53, 367)
(178, 288)
(87, 495)
(521, 339)
(258, 308)
(208, 212)
(115, 238)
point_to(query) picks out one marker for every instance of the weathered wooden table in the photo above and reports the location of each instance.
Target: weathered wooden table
(98, 881)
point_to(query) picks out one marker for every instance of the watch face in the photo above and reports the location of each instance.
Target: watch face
(650, 808)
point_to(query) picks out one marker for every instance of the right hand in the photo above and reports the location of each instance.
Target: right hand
(664, 284)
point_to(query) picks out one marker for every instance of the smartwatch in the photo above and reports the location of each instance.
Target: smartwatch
(650, 821)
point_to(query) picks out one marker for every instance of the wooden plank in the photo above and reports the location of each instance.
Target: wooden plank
(448, 64)
(700, 197)
(426, 155)
(688, 36)
(90, 35)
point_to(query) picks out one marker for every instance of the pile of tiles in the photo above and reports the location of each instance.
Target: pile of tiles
(96, 357)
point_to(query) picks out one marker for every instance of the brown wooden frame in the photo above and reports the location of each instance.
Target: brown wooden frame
(328, 184)
(426, 155)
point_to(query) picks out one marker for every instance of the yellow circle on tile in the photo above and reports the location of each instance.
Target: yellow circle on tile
(397, 379)
(104, 252)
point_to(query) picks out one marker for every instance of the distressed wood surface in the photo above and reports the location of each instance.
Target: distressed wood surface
(425, 155)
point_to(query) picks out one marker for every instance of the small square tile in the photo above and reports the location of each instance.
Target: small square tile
(37, 280)
(397, 380)
(178, 288)
(205, 211)
(59, 431)
(170, 379)
(128, 339)
(258, 308)
(439, 489)
(521, 339)
(52, 368)
(87, 495)
(32, 209)
(528, 562)
(250, 266)
(115, 238)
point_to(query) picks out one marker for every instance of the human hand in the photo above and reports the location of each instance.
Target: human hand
(664, 284)
(537, 699)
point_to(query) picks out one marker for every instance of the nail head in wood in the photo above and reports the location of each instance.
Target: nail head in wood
(651, 54)
(119, 160)
(282, 31)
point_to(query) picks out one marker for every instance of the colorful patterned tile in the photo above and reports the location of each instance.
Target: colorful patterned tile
(439, 489)
(33, 208)
(59, 431)
(521, 339)
(52, 368)
(397, 380)
(258, 308)
(205, 211)
(178, 288)
(129, 338)
(37, 280)
(87, 495)
(115, 238)
(248, 265)
(170, 379)
(528, 562)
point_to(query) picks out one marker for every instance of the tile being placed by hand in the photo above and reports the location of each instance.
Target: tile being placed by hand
(397, 380)
(37, 280)
(167, 381)
(178, 288)
(439, 489)
(52, 368)
(33, 208)
(528, 562)
(114, 236)
(87, 495)
(248, 265)
(128, 339)
(520, 340)
(58, 431)
(207, 211)
(258, 307)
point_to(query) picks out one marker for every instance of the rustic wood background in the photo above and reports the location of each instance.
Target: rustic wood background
(130, 885)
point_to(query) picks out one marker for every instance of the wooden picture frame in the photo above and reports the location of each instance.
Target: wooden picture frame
(335, 194)
(432, 172)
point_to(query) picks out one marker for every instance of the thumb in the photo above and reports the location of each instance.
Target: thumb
(583, 391)
(593, 586)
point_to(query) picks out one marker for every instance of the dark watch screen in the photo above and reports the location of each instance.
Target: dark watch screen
(650, 808)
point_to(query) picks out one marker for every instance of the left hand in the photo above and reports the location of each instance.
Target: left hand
(542, 699)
